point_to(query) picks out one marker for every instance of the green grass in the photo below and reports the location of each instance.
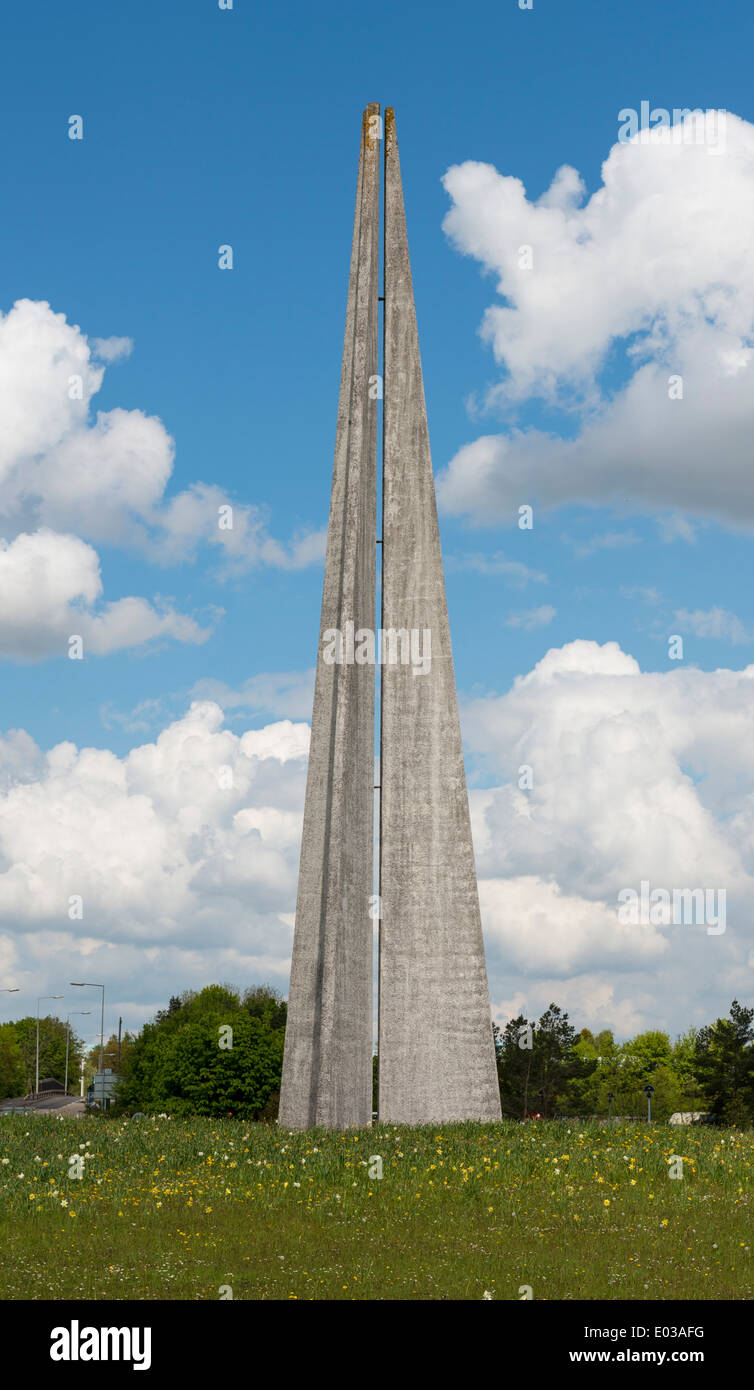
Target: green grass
(175, 1209)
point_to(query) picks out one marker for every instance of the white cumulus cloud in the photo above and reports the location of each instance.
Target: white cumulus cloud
(608, 776)
(185, 851)
(69, 476)
(184, 854)
(657, 266)
(50, 587)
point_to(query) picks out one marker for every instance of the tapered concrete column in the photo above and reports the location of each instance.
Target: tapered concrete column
(327, 1067)
(436, 1051)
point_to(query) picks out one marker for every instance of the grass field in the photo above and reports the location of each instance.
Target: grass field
(177, 1209)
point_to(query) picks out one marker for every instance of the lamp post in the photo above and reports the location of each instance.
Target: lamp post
(610, 1099)
(39, 1001)
(649, 1092)
(82, 1012)
(87, 984)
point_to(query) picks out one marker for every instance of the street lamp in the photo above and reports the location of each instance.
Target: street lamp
(649, 1092)
(39, 1001)
(82, 1012)
(610, 1099)
(87, 984)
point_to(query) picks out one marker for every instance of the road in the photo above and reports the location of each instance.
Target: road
(45, 1105)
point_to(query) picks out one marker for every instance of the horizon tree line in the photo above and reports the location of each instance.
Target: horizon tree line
(220, 1050)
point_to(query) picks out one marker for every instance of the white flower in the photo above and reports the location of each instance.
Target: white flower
(487, 1294)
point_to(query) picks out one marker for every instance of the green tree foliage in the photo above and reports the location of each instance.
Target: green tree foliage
(513, 1050)
(109, 1058)
(546, 1067)
(376, 1083)
(12, 1075)
(537, 1061)
(209, 1053)
(622, 1070)
(724, 1059)
(18, 1045)
(266, 1005)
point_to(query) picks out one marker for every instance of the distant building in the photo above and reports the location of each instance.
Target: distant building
(690, 1117)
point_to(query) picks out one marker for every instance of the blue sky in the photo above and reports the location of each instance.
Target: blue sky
(205, 127)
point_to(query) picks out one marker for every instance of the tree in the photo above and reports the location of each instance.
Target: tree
(556, 1059)
(267, 1005)
(12, 1077)
(587, 1094)
(724, 1059)
(109, 1057)
(209, 1053)
(52, 1039)
(514, 1048)
(537, 1061)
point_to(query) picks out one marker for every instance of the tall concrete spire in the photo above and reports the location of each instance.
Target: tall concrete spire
(327, 1067)
(436, 1053)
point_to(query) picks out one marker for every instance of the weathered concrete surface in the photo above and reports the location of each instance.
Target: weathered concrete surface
(327, 1067)
(435, 1031)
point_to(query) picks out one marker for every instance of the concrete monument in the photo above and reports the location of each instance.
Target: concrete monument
(436, 1054)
